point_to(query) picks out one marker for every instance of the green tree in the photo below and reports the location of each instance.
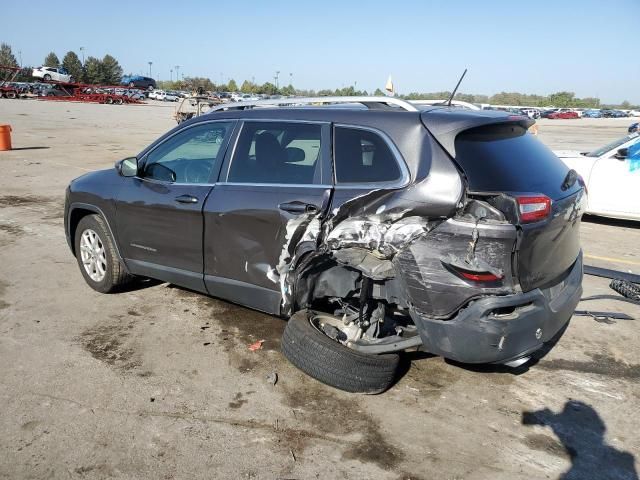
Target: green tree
(111, 70)
(7, 58)
(562, 99)
(93, 70)
(248, 87)
(378, 93)
(72, 64)
(51, 60)
(232, 86)
(268, 88)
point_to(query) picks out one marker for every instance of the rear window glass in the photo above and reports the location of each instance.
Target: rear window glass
(362, 156)
(274, 152)
(506, 158)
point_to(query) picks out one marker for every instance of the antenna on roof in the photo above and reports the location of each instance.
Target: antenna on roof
(456, 89)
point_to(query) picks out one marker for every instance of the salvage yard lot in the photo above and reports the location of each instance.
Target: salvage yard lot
(160, 383)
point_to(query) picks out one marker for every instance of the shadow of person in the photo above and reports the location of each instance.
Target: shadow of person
(581, 431)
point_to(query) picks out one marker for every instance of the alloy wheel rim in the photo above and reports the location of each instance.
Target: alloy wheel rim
(93, 255)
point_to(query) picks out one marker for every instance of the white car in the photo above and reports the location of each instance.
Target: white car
(51, 73)
(155, 94)
(166, 96)
(611, 177)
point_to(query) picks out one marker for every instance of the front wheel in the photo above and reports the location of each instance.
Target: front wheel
(72, 80)
(332, 363)
(97, 256)
(47, 77)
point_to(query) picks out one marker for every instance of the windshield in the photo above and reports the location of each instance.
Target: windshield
(602, 150)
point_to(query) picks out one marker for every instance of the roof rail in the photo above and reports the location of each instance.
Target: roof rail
(438, 103)
(370, 102)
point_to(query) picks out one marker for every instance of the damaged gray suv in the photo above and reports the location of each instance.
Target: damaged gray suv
(374, 226)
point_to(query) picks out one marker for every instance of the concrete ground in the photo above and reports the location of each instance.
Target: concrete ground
(159, 382)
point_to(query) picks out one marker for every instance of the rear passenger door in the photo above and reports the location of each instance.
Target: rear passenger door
(365, 159)
(277, 172)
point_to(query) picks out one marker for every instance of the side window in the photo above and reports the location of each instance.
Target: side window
(277, 152)
(189, 156)
(362, 156)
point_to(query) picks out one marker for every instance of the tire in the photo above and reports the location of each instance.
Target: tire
(11, 94)
(108, 100)
(47, 78)
(131, 84)
(626, 289)
(334, 364)
(72, 80)
(150, 88)
(115, 275)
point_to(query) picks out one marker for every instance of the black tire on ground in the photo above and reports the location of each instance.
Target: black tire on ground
(334, 364)
(115, 275)
(626, 289)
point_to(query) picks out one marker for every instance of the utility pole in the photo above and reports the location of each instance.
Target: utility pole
(20, 56)
(276, 77)
(177, 67)
(82, 52)
(150, 63)
(171, 75)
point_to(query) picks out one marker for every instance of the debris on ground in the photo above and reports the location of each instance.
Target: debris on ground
(272, 378)
(256, 346)
(603, 317)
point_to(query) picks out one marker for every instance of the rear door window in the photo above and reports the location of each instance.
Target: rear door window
(363, 157)
(505, 158)
(277, 153)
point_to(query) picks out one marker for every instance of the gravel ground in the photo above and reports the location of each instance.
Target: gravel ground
(159, 382)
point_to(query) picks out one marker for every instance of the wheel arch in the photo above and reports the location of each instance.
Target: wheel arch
(77, 211)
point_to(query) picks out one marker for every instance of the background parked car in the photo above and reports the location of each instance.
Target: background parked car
(52, 73)
(613, 114)
(592, 113)
(564, 114)
(634, 127)
(611, 177)
(138, 81)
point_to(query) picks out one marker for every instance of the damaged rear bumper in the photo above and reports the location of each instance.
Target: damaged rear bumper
(503, 328)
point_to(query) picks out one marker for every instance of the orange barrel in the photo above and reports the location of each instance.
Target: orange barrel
(5, 137)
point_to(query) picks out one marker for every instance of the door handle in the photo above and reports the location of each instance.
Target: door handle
(298, 207)
(186, 199)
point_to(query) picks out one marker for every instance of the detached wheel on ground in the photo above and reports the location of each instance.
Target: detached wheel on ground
(332, 363)
(97, 256)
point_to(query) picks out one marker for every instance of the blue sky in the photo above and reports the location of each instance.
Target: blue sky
(589, 47)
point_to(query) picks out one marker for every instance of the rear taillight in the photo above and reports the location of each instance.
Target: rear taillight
(474, 275)
(533, 208)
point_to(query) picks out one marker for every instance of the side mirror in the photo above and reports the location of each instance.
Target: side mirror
(127, 167)
(157, 171)
(622, 154)
(294, 154)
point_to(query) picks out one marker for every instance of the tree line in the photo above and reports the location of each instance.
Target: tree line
(108, 71)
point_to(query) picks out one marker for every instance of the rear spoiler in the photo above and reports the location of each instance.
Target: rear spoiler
(446, 123)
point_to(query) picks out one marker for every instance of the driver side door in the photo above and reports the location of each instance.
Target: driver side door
(159, 222)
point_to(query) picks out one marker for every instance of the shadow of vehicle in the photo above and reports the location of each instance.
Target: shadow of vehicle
(581, 431)
(614, 222)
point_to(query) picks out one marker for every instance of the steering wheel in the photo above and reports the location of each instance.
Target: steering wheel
(197, 172)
